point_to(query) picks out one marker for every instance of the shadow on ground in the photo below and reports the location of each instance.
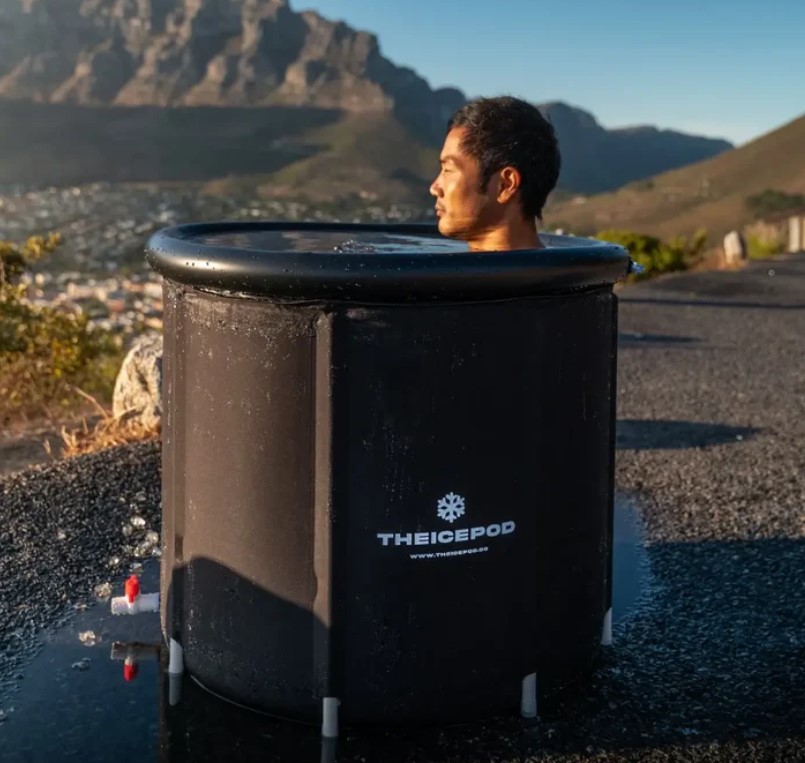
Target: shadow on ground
(654, 434)
(639, 339)
(735, 304)
(713, 667)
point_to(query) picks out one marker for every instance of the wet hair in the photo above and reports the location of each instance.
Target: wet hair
(507, 132)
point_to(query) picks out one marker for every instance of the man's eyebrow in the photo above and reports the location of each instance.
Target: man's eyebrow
(448, 158)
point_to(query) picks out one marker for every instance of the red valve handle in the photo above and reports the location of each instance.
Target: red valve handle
(130, 670)
(132, 588)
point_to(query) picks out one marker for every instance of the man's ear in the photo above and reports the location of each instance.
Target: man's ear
(509, 182)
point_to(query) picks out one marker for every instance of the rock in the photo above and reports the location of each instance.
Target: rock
(193, 53)
(138, 388)
(734, 248)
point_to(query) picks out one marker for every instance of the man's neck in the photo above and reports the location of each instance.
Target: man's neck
(506, 238)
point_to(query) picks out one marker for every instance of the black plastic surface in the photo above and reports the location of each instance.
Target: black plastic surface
(185, 254)
(300, 440)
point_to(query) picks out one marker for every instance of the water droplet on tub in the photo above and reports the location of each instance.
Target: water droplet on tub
(350, 246)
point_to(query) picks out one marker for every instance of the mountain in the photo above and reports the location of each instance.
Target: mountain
(597, 159)
(98, 66)
(712, 194)
(235, 53)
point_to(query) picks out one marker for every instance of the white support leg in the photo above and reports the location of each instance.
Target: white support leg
(606, 631)
(176, 659)
(174, 690)
(329, 723)
(528, 697)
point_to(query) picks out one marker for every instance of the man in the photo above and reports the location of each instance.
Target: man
(499, 162)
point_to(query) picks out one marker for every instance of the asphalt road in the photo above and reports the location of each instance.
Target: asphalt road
(711, 664)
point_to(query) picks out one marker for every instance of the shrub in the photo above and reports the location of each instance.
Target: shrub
(772, 202)
(657, 256)
(15, 260)
(759, 248)
(47, 354)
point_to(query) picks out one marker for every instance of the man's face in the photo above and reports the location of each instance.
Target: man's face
(464, 211)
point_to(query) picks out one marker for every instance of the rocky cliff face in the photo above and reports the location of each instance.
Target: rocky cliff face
(201, 52)
(71, 54)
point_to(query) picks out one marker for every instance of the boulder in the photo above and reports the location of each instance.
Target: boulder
(138, 388)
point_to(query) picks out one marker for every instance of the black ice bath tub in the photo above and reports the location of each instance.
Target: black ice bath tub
(387, 466)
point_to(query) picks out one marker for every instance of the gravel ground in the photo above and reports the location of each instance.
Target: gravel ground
(64, 529)
(711, 664)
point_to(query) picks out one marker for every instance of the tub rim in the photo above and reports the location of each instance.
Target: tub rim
(404, 277)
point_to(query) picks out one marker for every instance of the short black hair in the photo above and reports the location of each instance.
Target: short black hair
(508, 132)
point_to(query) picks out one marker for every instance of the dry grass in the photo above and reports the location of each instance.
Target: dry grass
(107, 432)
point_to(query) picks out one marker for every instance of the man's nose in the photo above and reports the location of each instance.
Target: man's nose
(435, 189)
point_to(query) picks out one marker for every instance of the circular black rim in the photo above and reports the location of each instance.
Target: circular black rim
(336, 276)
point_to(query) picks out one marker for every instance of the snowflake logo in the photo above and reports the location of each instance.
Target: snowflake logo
(451, 507)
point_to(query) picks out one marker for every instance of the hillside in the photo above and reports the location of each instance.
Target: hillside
(710, 194)
(178, 90)
(595, 159)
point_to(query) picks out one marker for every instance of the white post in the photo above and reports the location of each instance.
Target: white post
(795, 243)
(734, 248)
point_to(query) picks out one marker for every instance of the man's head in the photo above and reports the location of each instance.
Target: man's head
(499, 162)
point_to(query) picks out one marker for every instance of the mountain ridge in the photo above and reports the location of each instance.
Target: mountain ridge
(712, 194)
(261, 54)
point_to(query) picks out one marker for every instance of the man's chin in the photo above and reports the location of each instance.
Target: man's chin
(447, 230)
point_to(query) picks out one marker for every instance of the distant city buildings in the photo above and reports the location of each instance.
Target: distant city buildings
(100, 268)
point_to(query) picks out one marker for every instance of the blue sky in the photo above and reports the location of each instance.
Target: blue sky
(726, 68)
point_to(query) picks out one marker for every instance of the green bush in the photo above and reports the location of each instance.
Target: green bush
(657, 256)
(760, 248)
(15, 260)
(45, 353)
(773, 202)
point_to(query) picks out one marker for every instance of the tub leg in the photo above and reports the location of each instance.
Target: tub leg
(174, 690)
(528, 697)
(176, 659)
(606, 631)
(329, 724)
